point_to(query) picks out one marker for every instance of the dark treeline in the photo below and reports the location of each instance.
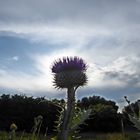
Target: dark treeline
(104, 115)
(22, 110)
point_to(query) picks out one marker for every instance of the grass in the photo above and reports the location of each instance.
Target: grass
(20, 136)
(87, 136)
(111, 136)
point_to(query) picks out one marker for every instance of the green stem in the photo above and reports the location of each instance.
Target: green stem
(68, 115)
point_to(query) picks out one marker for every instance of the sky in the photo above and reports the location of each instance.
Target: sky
(105, 33)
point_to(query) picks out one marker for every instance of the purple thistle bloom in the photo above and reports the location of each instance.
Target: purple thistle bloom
(69, 64)
(70, 73)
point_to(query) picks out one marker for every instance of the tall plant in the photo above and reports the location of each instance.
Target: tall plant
(134, 117)
(69, 73)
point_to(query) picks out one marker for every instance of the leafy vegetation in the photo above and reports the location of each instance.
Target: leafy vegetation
(22, 111)
(87, 136)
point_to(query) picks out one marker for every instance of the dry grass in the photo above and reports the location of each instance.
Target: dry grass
(111, 136)
(86, 136)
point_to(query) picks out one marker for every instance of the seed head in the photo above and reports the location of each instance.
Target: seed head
(69, 72)
(13, 126)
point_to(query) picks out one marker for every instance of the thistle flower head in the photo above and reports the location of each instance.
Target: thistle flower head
(40, 117)
(69, 64)
(69, 72)
(13, 126)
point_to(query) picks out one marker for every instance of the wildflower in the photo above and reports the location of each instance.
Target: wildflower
(69, 72)
(69, 64)
(37, 125)
(13, 127)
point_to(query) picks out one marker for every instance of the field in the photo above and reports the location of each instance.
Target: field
(87, 136)
(111, 136)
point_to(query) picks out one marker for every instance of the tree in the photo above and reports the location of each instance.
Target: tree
(22, 110)
(104, 116)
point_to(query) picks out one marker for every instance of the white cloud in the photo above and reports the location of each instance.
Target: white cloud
(2, 72)
(15, 58)
(74, 35)
(105, 50)
(117, 76)
(105, 34)
(36, 83)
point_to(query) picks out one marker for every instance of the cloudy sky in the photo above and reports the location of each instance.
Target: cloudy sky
(105, 33)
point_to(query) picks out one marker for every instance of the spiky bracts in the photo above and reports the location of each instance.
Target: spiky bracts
(69, 64)
(69, 72)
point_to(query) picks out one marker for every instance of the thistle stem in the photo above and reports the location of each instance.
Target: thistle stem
(68, 115)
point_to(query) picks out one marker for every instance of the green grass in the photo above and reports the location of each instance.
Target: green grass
(87, 136)
(20, 136)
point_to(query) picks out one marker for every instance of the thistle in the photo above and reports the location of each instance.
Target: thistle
(134, 118)
(13, 128)
(37, 125)
(69, 73)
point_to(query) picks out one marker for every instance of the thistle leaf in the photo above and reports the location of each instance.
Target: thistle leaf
(79, 119)
(135, 121)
